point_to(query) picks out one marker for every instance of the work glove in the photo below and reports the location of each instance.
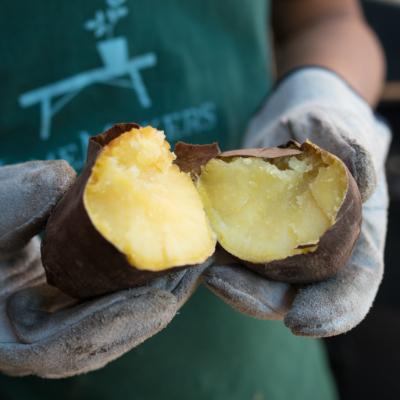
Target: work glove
(45, 332)
(315, 104)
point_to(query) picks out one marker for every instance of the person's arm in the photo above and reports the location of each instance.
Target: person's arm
(331, 34)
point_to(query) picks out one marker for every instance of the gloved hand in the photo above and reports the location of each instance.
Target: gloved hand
(316, 104)
(45, 332)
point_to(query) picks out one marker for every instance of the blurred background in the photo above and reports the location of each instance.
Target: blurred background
(366, 361)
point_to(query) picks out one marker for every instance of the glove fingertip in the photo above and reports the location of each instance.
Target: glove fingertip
(31, 190)
(299, 329)
(247, 293)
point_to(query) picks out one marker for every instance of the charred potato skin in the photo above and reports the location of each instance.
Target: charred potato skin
(77, 259)
(334, 247)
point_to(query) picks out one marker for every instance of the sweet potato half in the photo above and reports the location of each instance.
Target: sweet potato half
(131, 216)
(139, 211)
(291, 213)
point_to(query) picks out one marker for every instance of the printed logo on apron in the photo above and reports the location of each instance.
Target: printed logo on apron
(120, 70)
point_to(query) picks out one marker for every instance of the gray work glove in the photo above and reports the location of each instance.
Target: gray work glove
(45, 332)
(316, 104)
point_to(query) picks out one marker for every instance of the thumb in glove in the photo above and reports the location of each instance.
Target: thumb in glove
(29, 191)
(315, 104)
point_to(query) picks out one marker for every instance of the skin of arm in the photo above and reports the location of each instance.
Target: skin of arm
(330, 34)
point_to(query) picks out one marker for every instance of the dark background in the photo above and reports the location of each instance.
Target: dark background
(366, 361)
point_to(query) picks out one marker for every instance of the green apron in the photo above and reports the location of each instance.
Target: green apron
(198, 70)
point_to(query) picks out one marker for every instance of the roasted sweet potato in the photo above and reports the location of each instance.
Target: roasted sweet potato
(138, 211)
(131, 216)
(290, 213)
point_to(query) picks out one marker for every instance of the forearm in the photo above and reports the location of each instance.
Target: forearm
(340, 41)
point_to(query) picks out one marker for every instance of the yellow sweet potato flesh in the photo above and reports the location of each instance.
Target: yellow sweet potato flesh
(267, 210)
(145, 206)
